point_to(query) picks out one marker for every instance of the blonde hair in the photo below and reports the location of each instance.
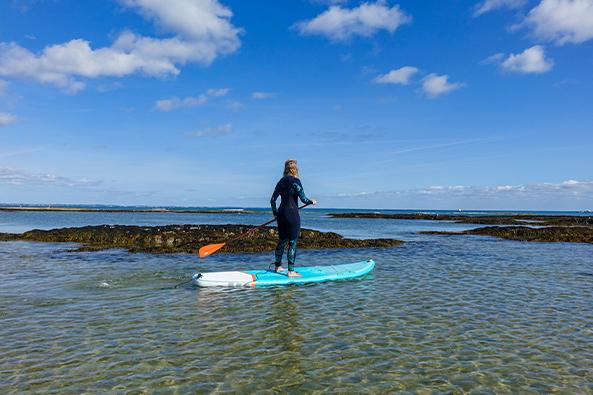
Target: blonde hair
(290, 168)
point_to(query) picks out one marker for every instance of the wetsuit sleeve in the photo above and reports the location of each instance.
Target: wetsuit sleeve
(273, 201)
(298, 190)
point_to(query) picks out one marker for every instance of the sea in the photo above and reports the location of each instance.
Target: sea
(439, 314)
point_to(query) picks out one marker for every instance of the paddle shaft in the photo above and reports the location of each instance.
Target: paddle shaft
(257, 227)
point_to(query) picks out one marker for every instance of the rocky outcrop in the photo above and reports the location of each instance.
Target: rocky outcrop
(510, 219)
(187, 238)
(573, 234)
(526, 227)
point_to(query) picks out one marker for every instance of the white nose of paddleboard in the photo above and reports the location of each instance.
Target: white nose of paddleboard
(223, 279)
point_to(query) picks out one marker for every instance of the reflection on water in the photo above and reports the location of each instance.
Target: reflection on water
(441, 314)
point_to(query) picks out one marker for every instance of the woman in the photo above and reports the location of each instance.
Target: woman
(289, 222)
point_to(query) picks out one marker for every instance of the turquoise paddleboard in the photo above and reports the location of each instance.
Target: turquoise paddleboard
(262, 278)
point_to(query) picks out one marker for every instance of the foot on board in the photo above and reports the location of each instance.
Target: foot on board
(294, 274)
(274, 268)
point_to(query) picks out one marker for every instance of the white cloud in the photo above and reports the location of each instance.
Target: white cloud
(202, 29)
(263, 95)
(496, 58)
(190, 101)
(217, 92)
(532, 60)
(3, 85)
(220, 130)
(491, 5)
(340, 24)
(7, 119)
(401, 76)
(175, 102)
(436, 85)
(569, 188)
(16, 177)
(562, 21)
(202, 20)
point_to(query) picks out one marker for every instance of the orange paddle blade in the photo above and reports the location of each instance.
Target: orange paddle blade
(209, 249)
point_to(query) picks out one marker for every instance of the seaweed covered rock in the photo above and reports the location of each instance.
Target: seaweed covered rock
(187, 238)
(498, 219)
(549, 234)
(571, 234)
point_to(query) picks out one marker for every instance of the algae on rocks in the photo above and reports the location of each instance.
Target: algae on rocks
(188, 238)
(570, 234)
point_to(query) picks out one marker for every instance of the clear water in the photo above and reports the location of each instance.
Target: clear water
(440, 314)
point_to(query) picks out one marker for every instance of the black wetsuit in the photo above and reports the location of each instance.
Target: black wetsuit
(290, 190)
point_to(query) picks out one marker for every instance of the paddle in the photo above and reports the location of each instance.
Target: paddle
(212, 248)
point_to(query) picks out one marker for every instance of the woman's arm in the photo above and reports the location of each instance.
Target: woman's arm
(298, 189)
(273, 201)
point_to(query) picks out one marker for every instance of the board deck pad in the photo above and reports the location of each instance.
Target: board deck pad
(262, 278)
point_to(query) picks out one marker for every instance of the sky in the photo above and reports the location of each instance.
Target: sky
(411, 104)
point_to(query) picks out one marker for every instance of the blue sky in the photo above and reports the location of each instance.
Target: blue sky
(409, 104)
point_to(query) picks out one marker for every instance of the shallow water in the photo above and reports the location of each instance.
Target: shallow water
(441, 314)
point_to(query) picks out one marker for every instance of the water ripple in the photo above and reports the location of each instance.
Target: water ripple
(440, 315)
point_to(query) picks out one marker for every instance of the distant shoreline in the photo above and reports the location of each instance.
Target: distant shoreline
(124, 210)
(491, 219)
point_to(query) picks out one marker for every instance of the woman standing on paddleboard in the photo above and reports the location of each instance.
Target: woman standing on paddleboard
(289, 221)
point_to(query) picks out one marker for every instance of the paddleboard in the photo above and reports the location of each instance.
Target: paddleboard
(263, 278)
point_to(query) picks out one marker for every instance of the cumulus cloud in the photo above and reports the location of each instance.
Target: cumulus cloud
(532, 60)
(198, 19)
(220, 130)
(491, 5)
(340, 24)
(562, 21)
(6, 119)
(189, 101)
(16, 177)
(202, 32)
(401, 76)
(263, 95)
(435, 85)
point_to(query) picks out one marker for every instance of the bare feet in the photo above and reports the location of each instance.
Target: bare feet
(278, 269)
(294, 274)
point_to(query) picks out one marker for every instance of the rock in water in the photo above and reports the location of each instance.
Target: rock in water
(188, 238)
